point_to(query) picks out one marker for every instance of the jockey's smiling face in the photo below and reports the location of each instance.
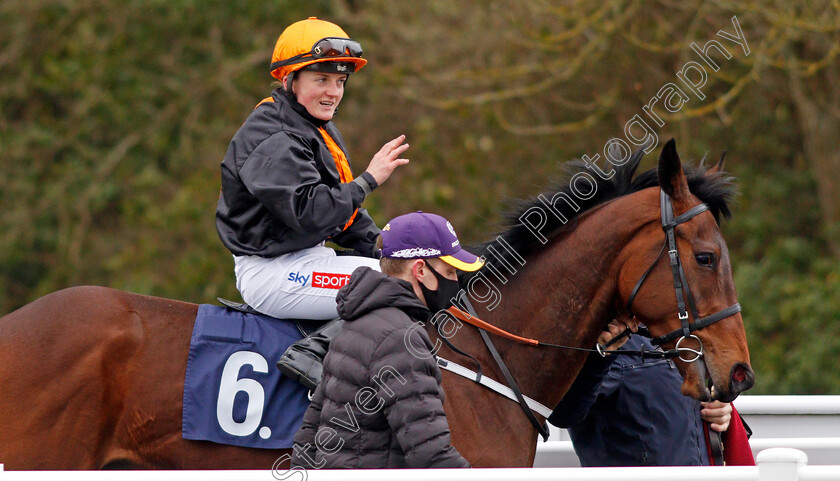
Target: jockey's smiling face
(319, 92)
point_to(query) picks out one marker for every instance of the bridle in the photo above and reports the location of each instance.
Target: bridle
(681, 288)
(669, 224)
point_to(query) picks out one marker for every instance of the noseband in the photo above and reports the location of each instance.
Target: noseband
(681, 288)
(669, 223)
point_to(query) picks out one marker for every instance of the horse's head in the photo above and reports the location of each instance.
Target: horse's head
(687, 297)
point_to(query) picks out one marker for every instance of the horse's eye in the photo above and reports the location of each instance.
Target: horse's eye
(705, 259)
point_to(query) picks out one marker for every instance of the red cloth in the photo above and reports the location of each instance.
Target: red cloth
(736, 444)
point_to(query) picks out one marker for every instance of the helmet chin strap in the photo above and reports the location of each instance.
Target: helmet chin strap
(288, 84)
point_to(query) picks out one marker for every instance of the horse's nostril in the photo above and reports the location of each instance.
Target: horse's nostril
(742, 377)
(739, 374)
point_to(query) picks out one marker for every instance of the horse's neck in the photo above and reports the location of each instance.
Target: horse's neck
(565, 294)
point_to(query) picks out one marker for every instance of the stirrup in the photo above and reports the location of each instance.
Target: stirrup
(290, 369)
(237, 306)
(303, 360)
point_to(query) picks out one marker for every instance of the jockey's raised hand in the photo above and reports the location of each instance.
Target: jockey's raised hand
(387, 159)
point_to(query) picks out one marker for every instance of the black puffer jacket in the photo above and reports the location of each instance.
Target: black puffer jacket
(379, 405)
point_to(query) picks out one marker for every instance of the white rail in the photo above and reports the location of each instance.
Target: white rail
(778, 464)
(807, 423)
(562, 453)
(787, 405)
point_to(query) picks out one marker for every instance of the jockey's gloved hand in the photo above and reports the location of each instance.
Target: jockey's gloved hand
(368, 248)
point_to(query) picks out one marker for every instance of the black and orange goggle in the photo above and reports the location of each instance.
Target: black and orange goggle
(329, 47)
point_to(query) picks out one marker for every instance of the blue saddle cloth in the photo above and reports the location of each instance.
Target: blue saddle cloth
(233, 392)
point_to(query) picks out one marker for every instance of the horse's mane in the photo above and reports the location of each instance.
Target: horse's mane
(715, 190)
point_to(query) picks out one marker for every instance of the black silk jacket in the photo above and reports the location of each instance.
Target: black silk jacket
(281, 190)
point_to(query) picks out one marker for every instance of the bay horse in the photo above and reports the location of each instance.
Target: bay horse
(92, 377)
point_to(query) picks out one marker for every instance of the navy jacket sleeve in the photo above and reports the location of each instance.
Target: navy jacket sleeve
(591, 382)
(635, 415)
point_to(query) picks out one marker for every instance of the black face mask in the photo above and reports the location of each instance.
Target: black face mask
(441, 298)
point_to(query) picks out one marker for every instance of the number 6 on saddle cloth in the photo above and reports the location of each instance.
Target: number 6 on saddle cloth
(231, 394)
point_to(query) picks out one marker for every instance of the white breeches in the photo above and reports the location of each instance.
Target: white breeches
(297, 285)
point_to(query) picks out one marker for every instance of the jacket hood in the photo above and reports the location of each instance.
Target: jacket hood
(369, 290)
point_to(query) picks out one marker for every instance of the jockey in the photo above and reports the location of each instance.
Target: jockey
(287, 187)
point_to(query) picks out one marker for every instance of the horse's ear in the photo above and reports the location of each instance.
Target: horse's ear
(671, 176)
(718, 168)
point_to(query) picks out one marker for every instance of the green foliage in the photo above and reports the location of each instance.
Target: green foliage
(115, 115)
(791, 304)
(115, 118)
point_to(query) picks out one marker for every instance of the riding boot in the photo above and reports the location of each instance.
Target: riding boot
(303, 360)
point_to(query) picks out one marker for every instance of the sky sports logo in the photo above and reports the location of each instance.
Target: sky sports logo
(324, 280)
(327, 280)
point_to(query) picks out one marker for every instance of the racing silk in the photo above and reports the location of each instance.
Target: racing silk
(341, 164)
(287, 185)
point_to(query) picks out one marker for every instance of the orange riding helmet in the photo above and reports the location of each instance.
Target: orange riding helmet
(317, 45)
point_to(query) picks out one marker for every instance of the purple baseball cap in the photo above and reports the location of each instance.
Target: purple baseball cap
(420, 235)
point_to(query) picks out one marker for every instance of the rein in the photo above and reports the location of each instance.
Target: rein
(513, 391)
(600, 349)
(681, 288)
(683, 293)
